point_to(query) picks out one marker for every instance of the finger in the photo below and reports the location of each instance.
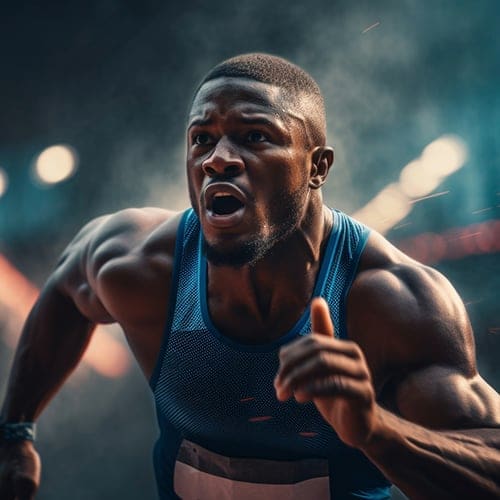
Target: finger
(294, 354)
(27, 480)
(323, 365)
(283, 393)
(337, 386)
(321, 321)
(310, 347)
(317, 367)
(314, 343)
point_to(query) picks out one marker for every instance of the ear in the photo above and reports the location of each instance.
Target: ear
(322, 160)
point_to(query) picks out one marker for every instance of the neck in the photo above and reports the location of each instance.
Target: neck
(272, 293)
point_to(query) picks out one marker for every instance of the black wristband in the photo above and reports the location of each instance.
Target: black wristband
(18, 431)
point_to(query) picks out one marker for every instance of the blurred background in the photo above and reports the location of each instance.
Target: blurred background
(93, 99)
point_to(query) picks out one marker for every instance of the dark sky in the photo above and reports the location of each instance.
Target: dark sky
(114, 80)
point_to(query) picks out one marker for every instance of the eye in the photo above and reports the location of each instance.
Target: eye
(202, 139)
(256, 136)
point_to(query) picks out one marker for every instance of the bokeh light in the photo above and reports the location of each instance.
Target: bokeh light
(386, 209)
(417, 180)
(445, 155)
(454, 244)
(56, 164)
(438, 160)
(4, 182)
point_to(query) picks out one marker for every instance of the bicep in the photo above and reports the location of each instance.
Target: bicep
(419, 343)
(441, 397)
(55, 308)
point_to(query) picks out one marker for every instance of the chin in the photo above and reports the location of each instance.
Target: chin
(243, 254)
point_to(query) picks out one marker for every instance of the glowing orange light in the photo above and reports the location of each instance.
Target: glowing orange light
(106, 355)
(453, 244)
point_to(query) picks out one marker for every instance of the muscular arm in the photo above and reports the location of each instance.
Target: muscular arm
(55, 334)
(440, 463)
(442, 438)
(60, 325)
(405, 389)
(52, 342)
(54, 339)
(79, 294)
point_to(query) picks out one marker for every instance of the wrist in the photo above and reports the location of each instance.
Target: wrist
(383, 432)
(11, 432)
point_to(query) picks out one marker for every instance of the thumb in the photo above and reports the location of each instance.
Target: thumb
(321, 321)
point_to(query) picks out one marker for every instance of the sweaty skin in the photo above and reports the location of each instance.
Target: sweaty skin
(404, 388)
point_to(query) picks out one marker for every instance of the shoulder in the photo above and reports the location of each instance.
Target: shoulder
(418, 341)
(111, 249)
(131, 232)
(411, 310)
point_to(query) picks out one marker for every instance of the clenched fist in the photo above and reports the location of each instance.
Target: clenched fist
(332, 373)
(20, 469)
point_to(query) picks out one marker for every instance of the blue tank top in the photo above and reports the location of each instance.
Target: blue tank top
(224, 435)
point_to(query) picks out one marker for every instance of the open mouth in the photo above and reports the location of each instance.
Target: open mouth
(225, 204)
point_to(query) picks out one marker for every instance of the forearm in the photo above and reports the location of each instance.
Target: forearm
(428, 464)
(53, 340)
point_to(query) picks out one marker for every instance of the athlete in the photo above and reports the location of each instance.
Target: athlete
(292, 352)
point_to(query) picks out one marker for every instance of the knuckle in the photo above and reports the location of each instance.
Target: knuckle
(356, 350)
(283, 353)
(309, 341)
(338, 383)
(316, 346)
(322, 360)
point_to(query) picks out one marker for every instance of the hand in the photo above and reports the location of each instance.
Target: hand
(20, 469)
(333, 374)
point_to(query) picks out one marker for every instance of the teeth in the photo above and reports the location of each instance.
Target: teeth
(221, 194)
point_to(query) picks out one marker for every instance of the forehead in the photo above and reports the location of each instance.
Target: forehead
(225, 94)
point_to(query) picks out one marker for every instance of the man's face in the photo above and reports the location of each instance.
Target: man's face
(248, 168)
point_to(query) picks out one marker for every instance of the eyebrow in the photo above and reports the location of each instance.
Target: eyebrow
(200, 122)
(259, 120)
(249, 120)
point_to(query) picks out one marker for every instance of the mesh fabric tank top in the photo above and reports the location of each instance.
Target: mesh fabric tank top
(224, 435)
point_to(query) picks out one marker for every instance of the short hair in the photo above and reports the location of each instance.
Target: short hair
(296, 84)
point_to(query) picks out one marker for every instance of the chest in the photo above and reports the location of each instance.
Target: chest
(224, 399)
(247, 326)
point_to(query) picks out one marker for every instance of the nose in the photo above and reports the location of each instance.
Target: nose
(224, 160)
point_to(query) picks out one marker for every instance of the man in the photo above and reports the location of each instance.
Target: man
(261, 390)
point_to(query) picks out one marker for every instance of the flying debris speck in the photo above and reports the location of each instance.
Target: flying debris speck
(374, 25)
(481, 210)
(435, 195)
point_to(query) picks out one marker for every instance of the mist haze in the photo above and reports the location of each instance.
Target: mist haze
(115, 79)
